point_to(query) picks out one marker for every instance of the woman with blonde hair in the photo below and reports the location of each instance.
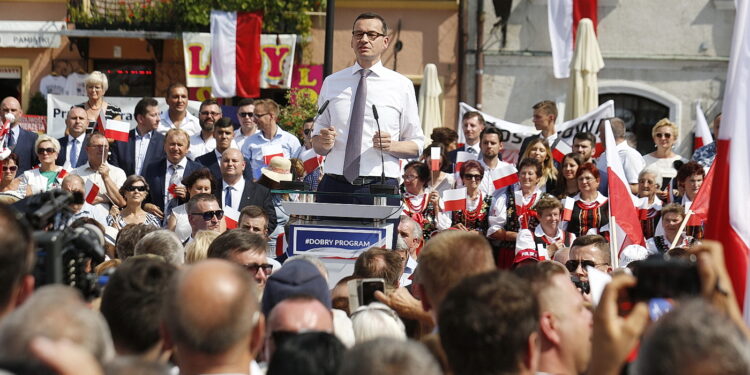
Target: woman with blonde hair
(662, 160)
(98, 110)
(539, 149)
(49, 175)
(197, 250)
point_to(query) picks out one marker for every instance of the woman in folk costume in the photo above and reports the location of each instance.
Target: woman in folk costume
(649, 209)
(424, 206)
(690, 179)
(672, 216)
(475, 216)
(548, 234)
(590, 211)
(512, 210)
(539, 149)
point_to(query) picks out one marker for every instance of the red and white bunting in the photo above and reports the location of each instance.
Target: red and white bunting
(271, 151)
(454, 199)
(92, 190)
(435, 158)
(462, 157)
(504, 175)
(562, 148)
(568, 208)
(231, 217)
(117, 130)
(311, 160)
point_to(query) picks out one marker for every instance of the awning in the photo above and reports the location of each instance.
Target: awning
(31, 34)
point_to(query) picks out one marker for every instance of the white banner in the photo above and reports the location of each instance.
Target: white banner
(277, 52)
(514, 134)
(58, 106)
(197, 50)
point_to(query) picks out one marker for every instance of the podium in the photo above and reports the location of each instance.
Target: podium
(338, 233)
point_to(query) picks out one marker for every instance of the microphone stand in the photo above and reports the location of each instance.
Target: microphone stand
(382, 188)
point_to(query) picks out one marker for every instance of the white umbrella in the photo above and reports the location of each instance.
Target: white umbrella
(430, 105)
(583, 92)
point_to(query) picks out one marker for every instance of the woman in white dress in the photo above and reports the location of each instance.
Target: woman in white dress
(200, 181)
(662, 160)
(49, 175)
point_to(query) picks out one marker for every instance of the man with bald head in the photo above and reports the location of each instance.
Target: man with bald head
(73, 183)
(212, 319)
(295, 315)
(70, 155)
(237, 192)
(19, 140)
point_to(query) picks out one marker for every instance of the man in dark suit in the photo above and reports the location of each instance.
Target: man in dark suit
(144, 142)
(237, 192)
(164, 172)
(544, 117)
(20, 141)
(224, 136)
(472, 124)
(71, 155)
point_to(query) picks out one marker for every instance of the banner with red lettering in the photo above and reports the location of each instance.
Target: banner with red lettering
(277, 52)
(197, 49)
(307, 79)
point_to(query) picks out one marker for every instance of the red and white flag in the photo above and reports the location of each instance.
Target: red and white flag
(462, 157)
(60, 175)
(231, 217)
(702, 132)
(117, 130)
(235, 54)
(561, 149)
(568, 205)
(454, 199)
(627, 225)
(563, 17)
(701, 202)
(271, 151)
(311, 160)
(435, 158)
(504, 175)
(730, 217)
(92, 190)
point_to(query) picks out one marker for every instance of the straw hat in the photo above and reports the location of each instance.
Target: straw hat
(278, 170)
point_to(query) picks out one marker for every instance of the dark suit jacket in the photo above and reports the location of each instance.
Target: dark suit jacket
(155, 174)
(254, 194)
(24, 148)
(62, 157)
(210, 161)
(123, 153)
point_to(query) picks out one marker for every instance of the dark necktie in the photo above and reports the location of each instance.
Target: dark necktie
(354, 140)
(228, 197)
(11, 140)
(73, 153)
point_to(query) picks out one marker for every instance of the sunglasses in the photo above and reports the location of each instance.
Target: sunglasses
(140, 188)
(573, 264)
(208, 215)
(476, 177)
(663, 135)
(260, 115)
(11, 168)
(48, 150)
(254, 267)
(246, 114)
(307, 131)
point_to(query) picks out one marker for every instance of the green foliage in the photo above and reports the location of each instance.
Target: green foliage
(37, 105)
(279, 16)
(301, 107)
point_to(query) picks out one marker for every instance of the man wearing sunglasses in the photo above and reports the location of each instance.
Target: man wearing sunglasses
(588, 251)
(347, 131)
(270, 140)
(204, 213)
(246, 249)
(246, 118)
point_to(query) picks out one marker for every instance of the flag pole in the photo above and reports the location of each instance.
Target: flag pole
(682, 229)
(613, 253)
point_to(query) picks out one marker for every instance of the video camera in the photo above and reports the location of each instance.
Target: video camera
(64, 254)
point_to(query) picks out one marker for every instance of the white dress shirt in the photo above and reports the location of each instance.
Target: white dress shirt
(168, 177)
(237, 190)
(392, 94)
(199, 146)
(254, 144)
(141, 147)
(240, 138)
(475, 147)
(116, 174)
(189, 124)
(79, 147)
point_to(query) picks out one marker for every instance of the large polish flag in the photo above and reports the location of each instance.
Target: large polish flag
(235, 54)
(627, 227)
(702, 132)
(729, 216)
(563, 17)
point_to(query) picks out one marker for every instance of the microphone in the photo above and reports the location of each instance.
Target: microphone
(381, 188)
(323, 107)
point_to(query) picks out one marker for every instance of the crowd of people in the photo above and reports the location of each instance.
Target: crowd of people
(199, 280)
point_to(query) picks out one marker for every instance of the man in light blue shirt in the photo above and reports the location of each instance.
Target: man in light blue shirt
(270, 140)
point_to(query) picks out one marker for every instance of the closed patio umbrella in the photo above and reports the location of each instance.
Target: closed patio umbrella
(430, 105)
(583, 92)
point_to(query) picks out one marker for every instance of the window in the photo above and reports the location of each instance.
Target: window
(640, 115)
(128, 78)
